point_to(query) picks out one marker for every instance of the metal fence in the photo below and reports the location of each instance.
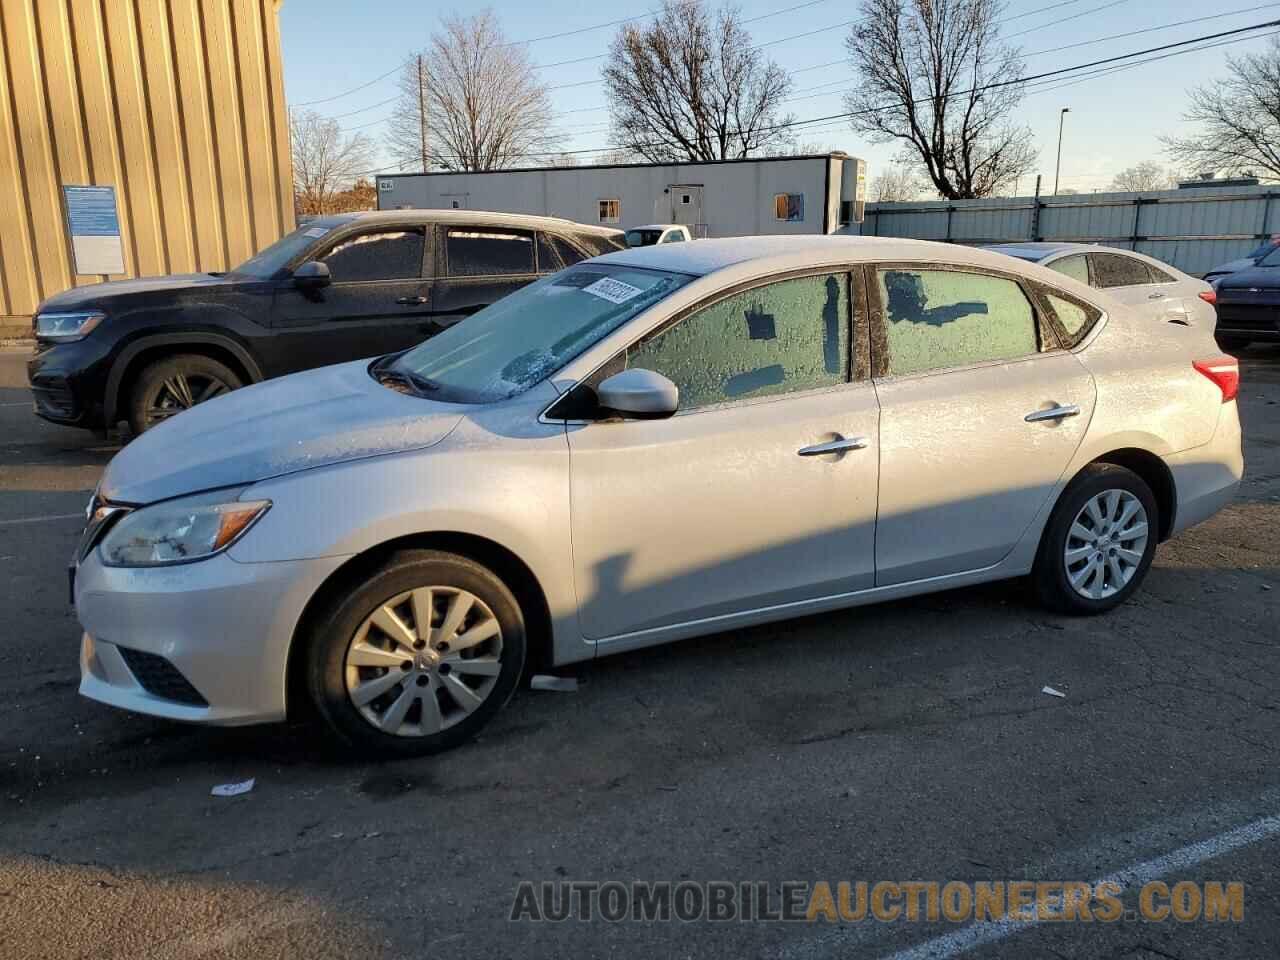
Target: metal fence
(1195, 229)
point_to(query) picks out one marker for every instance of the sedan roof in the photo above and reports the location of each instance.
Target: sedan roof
(1038, 251)
(779, 252)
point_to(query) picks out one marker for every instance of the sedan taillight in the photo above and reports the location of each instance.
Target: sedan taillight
(1223, 371)
(1209, 296)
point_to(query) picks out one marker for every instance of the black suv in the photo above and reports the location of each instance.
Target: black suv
(338, 288)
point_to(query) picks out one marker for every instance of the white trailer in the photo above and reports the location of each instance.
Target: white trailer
(820, 194)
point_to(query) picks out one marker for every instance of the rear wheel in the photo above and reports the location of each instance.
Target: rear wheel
(1099, 542)
(169, 386)
(418, 657)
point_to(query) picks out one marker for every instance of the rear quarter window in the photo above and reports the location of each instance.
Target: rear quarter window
(1072, 318)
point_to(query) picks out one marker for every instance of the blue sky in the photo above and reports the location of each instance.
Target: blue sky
(1116, 119)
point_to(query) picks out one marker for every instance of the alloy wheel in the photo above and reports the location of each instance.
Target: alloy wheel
(1106, 544)
(423, 661)
(182, 391)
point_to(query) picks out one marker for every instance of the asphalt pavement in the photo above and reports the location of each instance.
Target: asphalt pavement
(909, 741)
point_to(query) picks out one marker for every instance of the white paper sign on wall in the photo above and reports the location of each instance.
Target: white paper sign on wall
(94, 226)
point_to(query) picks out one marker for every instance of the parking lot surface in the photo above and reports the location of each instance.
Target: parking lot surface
(901, 742)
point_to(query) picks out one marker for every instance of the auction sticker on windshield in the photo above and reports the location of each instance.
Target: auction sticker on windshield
(615, 291)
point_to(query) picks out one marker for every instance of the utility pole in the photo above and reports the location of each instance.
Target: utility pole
(1058, 169)
(422, 118)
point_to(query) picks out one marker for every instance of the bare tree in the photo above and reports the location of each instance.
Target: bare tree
(1237, 119)
(325, 161)
(470, 101)
(1147, 175)
(925, 74)
(896, 184)
(689, 85)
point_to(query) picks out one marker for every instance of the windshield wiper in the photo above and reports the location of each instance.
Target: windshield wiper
(417, 381)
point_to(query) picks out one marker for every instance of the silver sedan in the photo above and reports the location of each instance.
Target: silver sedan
(659, 443)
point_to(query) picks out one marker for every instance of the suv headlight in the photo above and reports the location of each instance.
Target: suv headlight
(66, 327)
(180, 531)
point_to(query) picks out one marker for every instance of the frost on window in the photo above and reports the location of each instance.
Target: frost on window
(787, 336)
(1073, 317)
(944, 318)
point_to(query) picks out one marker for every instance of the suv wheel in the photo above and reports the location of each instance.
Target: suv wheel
(174, 384)
(417, 657)
(1099, 542)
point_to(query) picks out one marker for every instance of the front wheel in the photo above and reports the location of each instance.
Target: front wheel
(169, 386)
(1099, 542)
(417, 657)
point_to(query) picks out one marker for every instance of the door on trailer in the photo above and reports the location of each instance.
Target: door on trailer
(686, 206)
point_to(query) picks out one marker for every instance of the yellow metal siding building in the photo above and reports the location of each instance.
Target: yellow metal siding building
(177, 104)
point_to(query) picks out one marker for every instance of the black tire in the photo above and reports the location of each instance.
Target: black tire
(1050, 576)
(1234, 344)
(335, 631)
(171, 385)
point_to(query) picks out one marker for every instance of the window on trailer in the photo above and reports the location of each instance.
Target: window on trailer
(788, 206)
(610, 211)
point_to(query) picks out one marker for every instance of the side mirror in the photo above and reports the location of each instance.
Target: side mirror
(639, 395)
(311, 275)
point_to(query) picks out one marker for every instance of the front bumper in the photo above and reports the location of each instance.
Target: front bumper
(69, 380)
(222, 627)
(1249, 321)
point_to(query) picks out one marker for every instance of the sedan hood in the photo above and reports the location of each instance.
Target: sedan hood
(312, 419)
(1250, 279)
(98, 294)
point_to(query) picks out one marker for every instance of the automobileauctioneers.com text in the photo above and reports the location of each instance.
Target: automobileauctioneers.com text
(884, 901)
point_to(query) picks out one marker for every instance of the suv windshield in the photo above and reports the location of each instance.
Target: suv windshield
(642, 238)
(1261, 251)
(522, 339)
(1272, 259)
(271, 260)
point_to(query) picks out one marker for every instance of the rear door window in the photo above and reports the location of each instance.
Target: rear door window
(935, 319)
(1115, 270)
(1076, 267)
(488, 251)
(783, 337)
(383, 255)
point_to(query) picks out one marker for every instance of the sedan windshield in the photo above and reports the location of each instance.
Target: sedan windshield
(271, 260)
(522, 339)
(1272, 259)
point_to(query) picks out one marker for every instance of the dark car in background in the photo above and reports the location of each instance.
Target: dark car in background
(1249, 304)
(1243, 263)
(338, 288)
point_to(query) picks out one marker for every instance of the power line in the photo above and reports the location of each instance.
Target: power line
(1074, 16)
(813, 123)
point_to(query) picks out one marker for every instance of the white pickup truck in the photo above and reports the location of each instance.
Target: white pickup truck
(651, 233)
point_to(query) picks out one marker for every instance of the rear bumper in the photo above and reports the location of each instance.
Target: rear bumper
(1207, 478)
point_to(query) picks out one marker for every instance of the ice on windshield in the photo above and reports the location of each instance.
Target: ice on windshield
(522, 339)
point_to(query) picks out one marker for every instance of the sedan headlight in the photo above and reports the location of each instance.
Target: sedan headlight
(180, 531)
(66, 327)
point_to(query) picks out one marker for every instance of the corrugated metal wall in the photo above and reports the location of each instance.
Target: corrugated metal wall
(1195, 230)
(178, 104)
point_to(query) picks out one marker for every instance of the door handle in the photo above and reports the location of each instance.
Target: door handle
(412, 301)
(1056, 412)
(1155, 296)
(838, 445)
